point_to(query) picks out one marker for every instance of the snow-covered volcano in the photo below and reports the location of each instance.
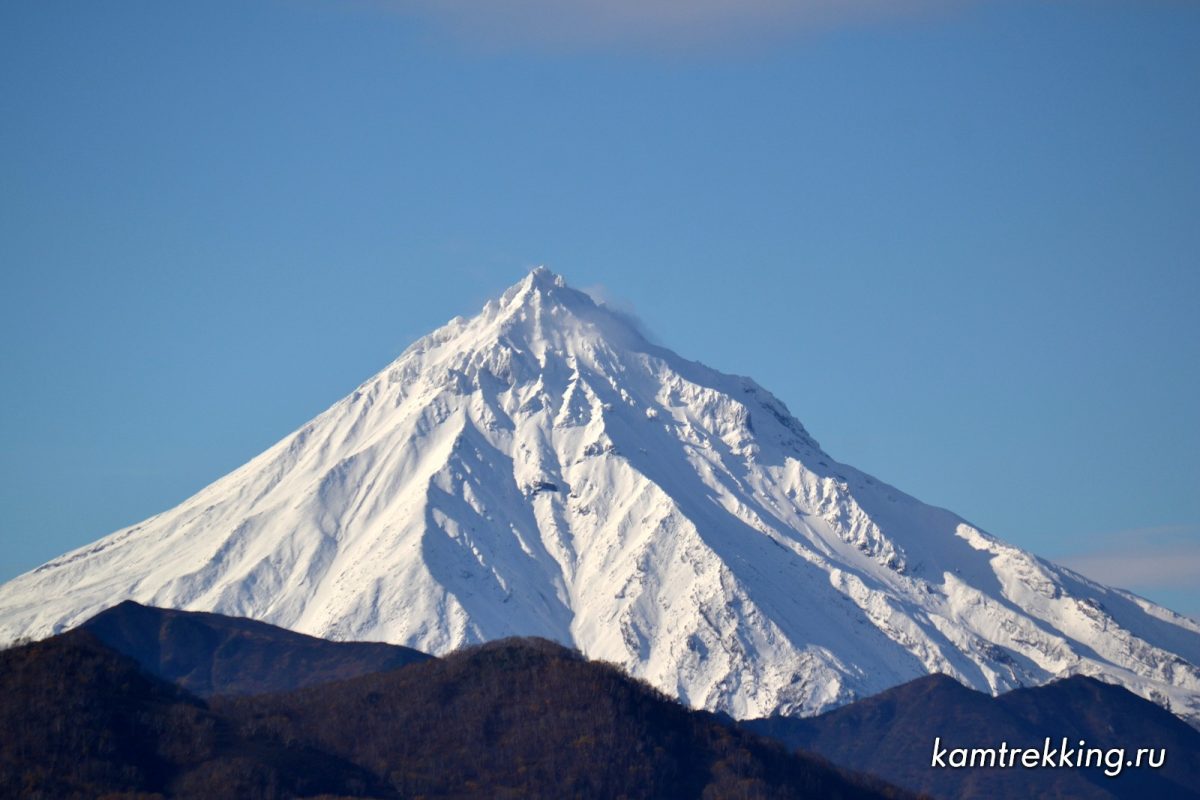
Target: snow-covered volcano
(542, 469)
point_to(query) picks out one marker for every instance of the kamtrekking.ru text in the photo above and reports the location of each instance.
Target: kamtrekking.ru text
(1051, 755)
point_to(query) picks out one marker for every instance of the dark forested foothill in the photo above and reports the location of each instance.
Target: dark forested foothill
(78, 720)
(210, 654)
(892, 733)
(518, 718)
(528, 718)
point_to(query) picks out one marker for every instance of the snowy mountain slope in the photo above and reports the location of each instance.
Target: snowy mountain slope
(541, 469)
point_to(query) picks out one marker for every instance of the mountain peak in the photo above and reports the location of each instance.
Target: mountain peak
(539, 311)
(542, 470)
(543, 278)
(542, 317)
(538, 282)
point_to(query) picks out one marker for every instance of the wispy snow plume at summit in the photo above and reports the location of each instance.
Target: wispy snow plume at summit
(602, 296)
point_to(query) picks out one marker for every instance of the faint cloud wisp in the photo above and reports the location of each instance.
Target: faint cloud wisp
(1145, 560)
(657, 24)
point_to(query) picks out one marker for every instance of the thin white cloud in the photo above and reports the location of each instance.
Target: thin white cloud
(559, 24)
(1172, 568)
(1142, 559)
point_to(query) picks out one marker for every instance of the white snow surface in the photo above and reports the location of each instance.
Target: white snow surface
(542, 469)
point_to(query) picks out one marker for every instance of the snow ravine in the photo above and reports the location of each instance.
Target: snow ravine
(543, 470)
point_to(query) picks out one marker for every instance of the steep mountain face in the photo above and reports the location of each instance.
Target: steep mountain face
(542, 469)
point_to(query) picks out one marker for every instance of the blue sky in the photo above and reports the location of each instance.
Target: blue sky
(961, 243)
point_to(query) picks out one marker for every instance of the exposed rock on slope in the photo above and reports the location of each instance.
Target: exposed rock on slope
(541, 469)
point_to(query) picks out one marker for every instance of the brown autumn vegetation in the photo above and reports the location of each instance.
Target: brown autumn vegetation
(520, 718)
(528, 718)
